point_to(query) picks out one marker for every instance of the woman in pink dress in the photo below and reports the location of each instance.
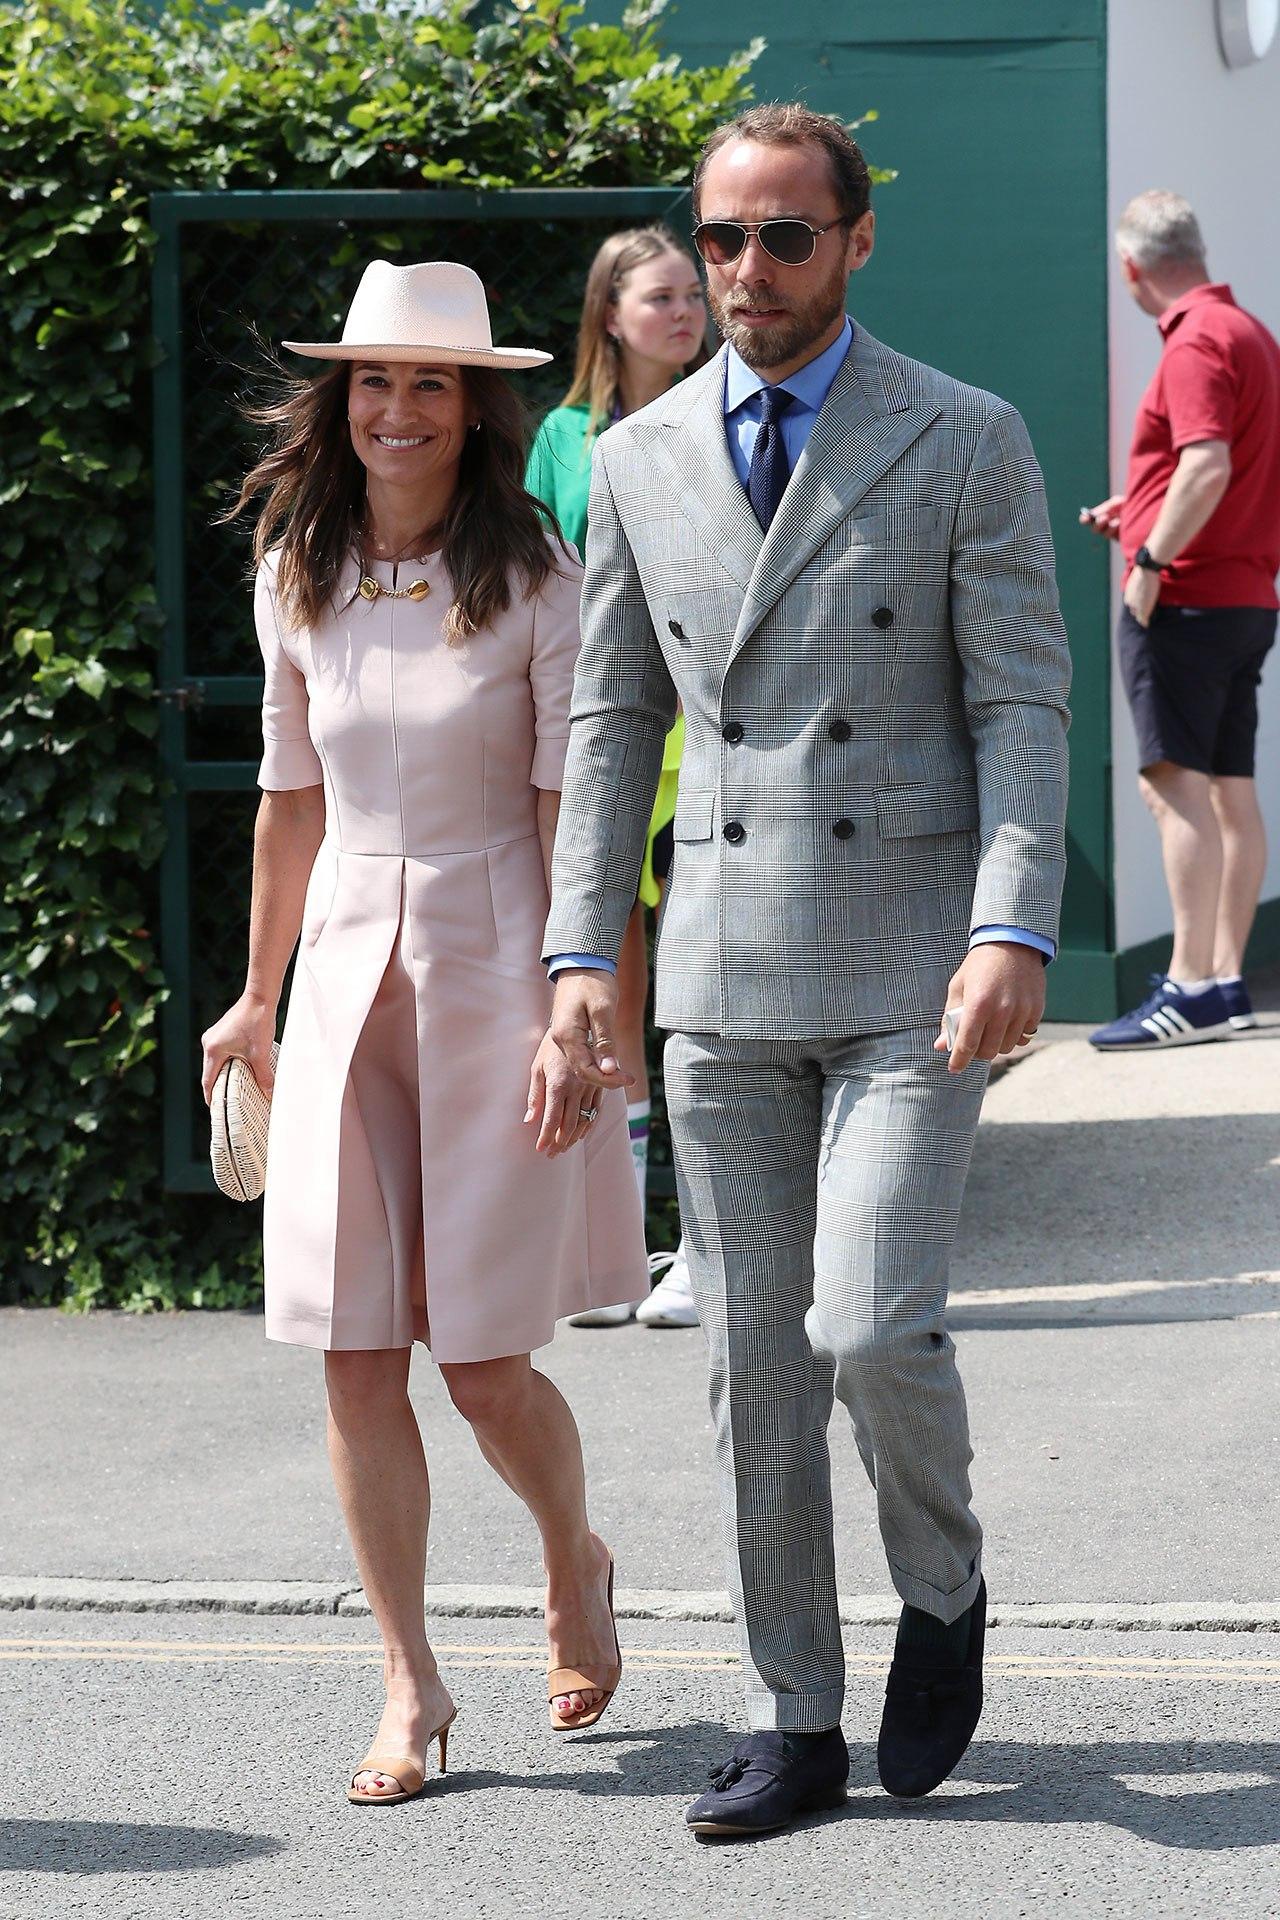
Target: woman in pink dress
(419, 631)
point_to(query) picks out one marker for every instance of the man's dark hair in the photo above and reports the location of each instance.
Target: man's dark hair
(788, 124)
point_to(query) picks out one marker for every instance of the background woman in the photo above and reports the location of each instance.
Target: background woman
(419, 631)
(643, 325)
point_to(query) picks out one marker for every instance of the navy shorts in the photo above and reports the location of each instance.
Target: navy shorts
(1192, 681)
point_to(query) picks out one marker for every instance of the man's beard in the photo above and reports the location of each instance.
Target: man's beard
(790, 334)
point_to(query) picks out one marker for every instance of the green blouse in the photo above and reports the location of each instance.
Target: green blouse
(559, 471)
(559, 474)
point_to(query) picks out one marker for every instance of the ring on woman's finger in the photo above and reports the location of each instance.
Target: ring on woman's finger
(589, 1113)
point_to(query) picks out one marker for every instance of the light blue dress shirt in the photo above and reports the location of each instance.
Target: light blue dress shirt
(809, 387)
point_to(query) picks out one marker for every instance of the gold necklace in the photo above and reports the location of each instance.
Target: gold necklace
(371, 589)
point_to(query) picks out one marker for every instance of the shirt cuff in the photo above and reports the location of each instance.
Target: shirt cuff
(982, 936)
(559, 961)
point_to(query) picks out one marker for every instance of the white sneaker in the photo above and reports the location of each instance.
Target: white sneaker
(603, 1316)
(671, 1302)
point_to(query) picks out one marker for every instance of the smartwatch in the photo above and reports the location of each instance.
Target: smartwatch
(1145, 558)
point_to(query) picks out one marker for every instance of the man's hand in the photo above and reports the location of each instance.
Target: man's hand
(1141, 594)
(584, 1017)
(1105, 517)
(999, 992)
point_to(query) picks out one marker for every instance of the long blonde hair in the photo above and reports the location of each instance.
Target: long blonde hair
(599, 363)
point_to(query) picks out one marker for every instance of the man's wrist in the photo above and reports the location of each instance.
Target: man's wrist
(558, 963)
(1145, 559)
(999, 933)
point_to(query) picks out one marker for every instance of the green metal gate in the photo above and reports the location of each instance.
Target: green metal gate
(288, 263)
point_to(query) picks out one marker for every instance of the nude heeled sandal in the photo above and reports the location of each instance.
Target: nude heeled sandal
(408, 1775)
(562, 1680)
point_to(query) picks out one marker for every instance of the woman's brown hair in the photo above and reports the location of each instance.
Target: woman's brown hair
(314, 510)
(598, 365)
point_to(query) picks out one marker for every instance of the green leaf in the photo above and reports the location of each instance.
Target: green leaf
(91, 678)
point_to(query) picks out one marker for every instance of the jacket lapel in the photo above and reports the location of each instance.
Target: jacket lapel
(687, 445)
(866, 423)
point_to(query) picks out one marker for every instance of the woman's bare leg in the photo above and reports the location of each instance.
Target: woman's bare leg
(380, 1471)
(526, 1432)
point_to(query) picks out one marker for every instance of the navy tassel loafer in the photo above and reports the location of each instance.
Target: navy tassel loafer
(930, 1713)
(770, 1779)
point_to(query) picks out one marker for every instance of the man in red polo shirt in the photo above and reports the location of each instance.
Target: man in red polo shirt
(1199, 523)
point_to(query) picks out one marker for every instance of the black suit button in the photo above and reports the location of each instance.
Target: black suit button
(732, 731)
(843, 829)
(676, 629)
(839, 729)
(882, 617)
(734, 832)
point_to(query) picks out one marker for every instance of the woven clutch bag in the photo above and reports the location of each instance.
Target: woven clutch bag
(240, 1113)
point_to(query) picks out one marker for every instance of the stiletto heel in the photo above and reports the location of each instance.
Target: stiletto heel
(410, 1778)
(562, 1680)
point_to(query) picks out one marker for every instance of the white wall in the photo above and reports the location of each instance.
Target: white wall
(1178, 117)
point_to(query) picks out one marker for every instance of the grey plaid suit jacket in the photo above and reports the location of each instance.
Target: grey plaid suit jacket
(875, 701)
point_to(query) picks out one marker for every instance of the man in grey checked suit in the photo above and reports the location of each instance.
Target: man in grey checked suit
(839, 561)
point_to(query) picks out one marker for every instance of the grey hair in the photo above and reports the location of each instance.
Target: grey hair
(1159, 229)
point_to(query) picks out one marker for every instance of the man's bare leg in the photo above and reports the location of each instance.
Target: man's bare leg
(1192, 848)
(1244, 864)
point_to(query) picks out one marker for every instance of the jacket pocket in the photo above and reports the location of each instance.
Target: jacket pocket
(951, 807)
(695, 814)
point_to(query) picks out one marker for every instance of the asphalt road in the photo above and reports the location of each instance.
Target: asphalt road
(1116, 1303)
(1113, 1461)
(161, 1768)
(1117, 1307)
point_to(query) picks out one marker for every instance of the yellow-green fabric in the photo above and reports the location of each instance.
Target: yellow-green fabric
(559, 474)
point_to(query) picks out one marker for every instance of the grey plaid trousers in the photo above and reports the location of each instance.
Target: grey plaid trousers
(820, 1185)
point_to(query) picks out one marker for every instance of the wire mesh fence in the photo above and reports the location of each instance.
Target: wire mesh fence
(296, 283)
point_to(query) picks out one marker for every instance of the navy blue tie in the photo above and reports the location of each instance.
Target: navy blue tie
(770, 470)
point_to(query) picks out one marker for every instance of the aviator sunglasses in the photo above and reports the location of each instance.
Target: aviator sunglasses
(789, 242)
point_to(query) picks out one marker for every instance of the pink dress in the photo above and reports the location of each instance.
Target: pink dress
(404, 1199)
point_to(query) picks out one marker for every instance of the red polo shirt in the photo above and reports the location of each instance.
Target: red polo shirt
(1218, 379)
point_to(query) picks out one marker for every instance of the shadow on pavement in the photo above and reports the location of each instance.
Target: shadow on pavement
(1154, 1790)
(1148, 1788)
(1151, 1789)
(119, 1846)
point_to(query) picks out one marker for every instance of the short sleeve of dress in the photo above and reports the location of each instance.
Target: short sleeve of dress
(288, 758)
(555, 652)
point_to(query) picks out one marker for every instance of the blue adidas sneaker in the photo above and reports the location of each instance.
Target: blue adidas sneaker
(1239, 1006)
(1167, 1018)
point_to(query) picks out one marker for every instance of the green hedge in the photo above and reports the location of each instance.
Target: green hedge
(101, 104)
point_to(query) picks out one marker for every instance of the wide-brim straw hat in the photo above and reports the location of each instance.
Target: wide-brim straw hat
(433, 312)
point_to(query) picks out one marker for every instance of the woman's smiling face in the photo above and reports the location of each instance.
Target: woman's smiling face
(409, 424)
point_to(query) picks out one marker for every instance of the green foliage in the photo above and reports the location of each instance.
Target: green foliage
(102, 103)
